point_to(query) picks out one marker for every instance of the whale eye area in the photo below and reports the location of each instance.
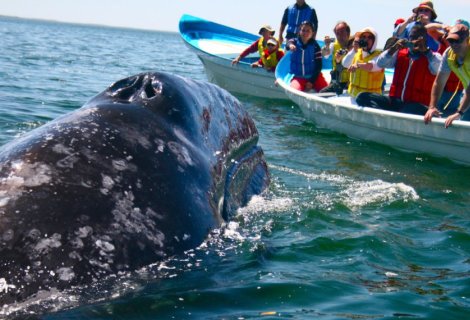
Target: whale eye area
(132, 88)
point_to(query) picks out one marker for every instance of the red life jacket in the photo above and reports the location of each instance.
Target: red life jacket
(412, 80)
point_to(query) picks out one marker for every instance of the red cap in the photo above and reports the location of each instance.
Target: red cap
(399, 21)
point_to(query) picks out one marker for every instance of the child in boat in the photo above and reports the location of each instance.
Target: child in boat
(306, 60)
(259, 45)
(270, 56)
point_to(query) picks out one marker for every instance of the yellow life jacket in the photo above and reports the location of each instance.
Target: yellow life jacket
(261, 47)
(270, 59)
(462, 71)
(365, 81)
(344, 75)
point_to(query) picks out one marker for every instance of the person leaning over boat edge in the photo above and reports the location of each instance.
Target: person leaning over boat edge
(338, 47)
(293, 16)
(415, 70)
(457, 59)
(306, 60)
(361, 61)
(259, 45)
(453, 90)
(270, 57)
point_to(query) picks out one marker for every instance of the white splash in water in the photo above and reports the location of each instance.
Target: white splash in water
(360, 194)
(357, 194)
(259, 204)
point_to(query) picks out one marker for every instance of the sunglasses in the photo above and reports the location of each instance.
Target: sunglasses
(453, 41)
(271, 45)
(424, 10)
(368, 37)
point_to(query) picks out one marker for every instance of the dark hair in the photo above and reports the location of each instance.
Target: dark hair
(420, 30)
(308, 23)
(348, 29)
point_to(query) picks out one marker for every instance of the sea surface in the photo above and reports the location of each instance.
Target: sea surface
(348, 229)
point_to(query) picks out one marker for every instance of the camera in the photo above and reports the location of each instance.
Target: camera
(362, 43)
(409, 45)
(342, 51)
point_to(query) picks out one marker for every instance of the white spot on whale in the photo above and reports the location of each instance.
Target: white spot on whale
(65, 274)
(45, 245)
(119, 165)
(84, 232)
(104, 245)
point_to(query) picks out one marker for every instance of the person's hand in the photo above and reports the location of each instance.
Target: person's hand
(400, 44)
(236, 60)
(353, 67)
(339, 56)
(308, 86)
(412, 18)
(451, 119)
(292, 47)
(255, 65)
(430, 113)
(421, 44)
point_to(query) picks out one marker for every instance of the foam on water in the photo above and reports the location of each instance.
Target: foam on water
(357, 194)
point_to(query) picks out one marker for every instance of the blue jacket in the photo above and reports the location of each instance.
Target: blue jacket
(294, 16)
(306, 61)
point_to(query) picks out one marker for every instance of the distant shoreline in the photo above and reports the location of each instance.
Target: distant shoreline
(83, 24)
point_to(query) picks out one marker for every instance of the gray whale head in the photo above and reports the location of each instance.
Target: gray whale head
(143, 171)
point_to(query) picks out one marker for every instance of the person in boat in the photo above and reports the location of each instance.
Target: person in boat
(259, 45)
(423, 14)
(306, 60)
(270, 56)
(364, 73)
(453, 90)
(415, 70)
(457, 59)
(338, 47)
(293, 16)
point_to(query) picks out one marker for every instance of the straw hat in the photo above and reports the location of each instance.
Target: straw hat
(267, 28)
(426, 5)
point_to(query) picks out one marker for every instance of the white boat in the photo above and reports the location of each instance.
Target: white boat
(399, 130)
(217, 45)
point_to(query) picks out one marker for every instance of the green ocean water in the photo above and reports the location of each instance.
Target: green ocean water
(348, 230)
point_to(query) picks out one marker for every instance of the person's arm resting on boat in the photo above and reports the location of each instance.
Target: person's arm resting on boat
(463, 107)
(251, 49)
(437, 89)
